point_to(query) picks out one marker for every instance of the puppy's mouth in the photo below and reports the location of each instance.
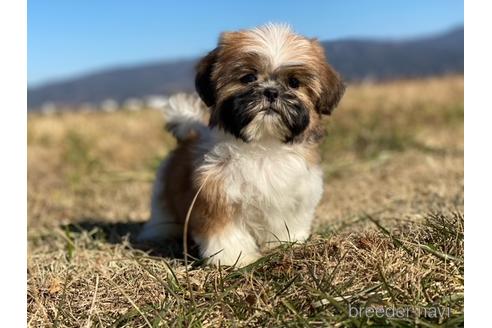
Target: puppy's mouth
(270, 110)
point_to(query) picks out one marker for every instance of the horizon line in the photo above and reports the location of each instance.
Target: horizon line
(149, 61)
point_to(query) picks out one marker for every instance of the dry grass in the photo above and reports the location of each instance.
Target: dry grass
(389, 229)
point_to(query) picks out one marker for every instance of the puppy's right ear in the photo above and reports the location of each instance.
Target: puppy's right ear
(203, 79)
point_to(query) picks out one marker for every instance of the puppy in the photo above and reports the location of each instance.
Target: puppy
(250, 162)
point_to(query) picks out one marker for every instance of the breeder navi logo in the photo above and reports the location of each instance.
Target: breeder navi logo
(378, 311)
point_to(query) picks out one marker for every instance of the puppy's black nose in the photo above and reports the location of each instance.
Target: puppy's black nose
(271, 94)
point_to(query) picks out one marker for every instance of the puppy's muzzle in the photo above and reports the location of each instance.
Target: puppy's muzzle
(271, 94)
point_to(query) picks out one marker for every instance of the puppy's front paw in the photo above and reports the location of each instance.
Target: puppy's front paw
(231, 246)
(241, 260)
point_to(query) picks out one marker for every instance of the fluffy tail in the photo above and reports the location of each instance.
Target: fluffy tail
(186, 116)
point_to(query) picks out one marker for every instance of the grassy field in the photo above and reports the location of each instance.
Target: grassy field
(388, 235)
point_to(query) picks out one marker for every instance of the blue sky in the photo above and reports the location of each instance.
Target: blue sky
(67, 38)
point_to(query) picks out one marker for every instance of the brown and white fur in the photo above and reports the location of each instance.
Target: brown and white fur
(253, 152)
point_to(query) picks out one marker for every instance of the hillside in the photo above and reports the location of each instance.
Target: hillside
(354, 59)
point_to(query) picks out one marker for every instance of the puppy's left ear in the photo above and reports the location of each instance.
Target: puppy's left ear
(332, 86)
(204, 84)
(333, 89)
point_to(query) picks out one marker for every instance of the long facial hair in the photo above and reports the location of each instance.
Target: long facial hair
(249, 116)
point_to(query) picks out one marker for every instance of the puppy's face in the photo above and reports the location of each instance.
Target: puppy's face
(268, 83)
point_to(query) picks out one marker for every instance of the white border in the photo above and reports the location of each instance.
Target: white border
(13, 180)
(478, 163)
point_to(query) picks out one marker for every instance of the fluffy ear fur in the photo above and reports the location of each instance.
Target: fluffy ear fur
(333, 90)
(203, 79)
(333, 87)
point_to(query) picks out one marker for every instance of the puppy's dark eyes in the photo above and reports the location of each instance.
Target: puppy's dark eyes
(248, 78)
(293, 82)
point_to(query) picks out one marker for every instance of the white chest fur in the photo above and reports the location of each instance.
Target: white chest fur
(273, 186)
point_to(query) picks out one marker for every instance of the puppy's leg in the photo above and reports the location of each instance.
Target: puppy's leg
(162, 225)
(228, 245)
(294, 225)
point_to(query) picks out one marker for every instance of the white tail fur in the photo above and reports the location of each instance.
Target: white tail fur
(185, 114)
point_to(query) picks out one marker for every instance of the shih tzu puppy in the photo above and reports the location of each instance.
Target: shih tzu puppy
(249, 163)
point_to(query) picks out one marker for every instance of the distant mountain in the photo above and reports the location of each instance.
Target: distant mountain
(355, 59)
(381, 60)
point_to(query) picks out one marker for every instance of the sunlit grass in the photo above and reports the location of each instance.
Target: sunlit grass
(389, 230)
